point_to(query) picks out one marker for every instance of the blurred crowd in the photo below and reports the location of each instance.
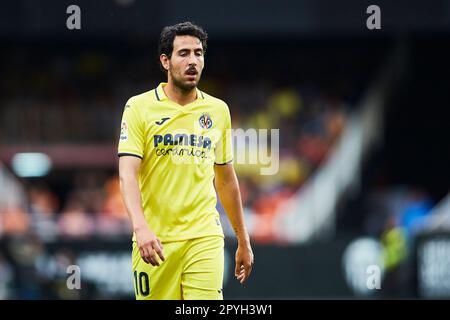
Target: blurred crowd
(93, 206)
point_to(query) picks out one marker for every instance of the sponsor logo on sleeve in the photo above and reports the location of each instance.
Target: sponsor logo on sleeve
(124, 131)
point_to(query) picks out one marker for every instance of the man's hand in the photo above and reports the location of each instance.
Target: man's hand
(149, 246)
(244, 262)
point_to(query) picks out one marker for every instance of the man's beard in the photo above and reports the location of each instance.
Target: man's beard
(186, 87)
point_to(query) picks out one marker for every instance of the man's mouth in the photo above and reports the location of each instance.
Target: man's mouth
(191, 72)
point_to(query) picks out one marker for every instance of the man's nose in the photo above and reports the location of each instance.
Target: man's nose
(192, 60)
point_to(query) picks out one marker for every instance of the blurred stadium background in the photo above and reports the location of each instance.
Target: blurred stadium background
(364, 175)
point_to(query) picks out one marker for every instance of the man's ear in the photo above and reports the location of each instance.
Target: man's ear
(164, 61)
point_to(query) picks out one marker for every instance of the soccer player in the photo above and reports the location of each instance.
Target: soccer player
(175, 153)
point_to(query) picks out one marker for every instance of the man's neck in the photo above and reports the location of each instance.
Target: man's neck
(178, 95)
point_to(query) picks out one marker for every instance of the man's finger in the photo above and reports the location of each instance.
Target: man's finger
(143, 256)
(154, 259)
(247, 269)
(158, 250)
(237, 269)
(151, 257)
(153, 262)
(241, 273)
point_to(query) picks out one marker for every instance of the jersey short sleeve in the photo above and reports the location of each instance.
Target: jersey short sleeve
(224, 147)
(131, 140)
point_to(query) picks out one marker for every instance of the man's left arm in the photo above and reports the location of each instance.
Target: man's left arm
(227, 188)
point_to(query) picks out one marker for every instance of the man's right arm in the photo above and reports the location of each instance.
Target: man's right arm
(149, 245)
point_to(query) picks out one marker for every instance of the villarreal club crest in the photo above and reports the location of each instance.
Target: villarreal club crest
(205, 121)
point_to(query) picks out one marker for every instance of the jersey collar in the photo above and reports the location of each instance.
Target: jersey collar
(161, 96)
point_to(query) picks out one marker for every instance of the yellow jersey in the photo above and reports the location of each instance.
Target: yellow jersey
(179, 146)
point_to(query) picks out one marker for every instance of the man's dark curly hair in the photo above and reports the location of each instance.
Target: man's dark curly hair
(169, 33)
